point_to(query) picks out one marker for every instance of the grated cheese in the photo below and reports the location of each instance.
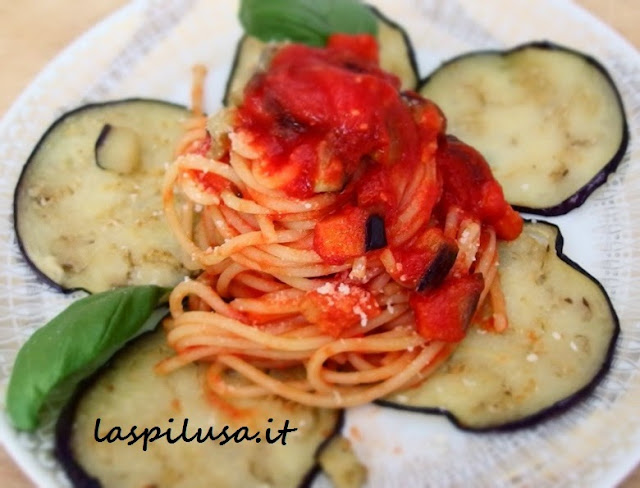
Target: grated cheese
(344, 288)
(326, 289)
(390, 308)
(363, 316)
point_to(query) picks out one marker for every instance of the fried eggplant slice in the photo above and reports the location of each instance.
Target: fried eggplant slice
(396, 56)
(88, 208)
(128, 393)
(549, 120)
(558, 345)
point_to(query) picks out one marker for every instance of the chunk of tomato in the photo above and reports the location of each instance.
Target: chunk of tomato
(444, 314)
(341, 236)
(336, 307)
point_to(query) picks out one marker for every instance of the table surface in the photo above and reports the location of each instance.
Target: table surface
(34, 31)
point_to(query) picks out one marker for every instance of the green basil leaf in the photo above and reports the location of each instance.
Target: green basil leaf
(306, 21)
(74, 344)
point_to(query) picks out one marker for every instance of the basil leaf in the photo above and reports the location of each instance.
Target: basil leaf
(74, 344)
(307, 21)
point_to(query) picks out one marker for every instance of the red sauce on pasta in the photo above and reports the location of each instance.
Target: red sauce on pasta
(331, 120)
(317, 112)
(343, 233)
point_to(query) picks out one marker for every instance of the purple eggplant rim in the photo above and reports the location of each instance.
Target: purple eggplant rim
(582, 194)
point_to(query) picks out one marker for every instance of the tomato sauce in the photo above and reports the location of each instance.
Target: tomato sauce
(331, 120)
(469, 185)
(316, 113)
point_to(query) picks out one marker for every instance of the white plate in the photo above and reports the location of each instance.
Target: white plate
(147, 49)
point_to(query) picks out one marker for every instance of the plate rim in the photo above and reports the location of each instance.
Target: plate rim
(24, 459)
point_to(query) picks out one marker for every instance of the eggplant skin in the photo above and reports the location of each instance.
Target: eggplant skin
(600, 177)
(228, 97)
(62, 449)
(557, 408)
(24, 172)
(439, 268)
(128, 359)
(104, 133)
(376, 237)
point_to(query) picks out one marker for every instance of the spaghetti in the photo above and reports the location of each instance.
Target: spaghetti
(289, 300)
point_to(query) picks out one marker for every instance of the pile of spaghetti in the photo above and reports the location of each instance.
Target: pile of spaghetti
(344, 242)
